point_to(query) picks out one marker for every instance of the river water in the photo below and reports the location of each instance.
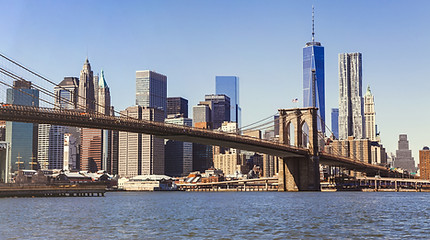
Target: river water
(219, 215)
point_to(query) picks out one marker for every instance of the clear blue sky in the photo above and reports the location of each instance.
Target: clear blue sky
(260, 41)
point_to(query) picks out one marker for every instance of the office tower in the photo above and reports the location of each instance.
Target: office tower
(335, 122)
(141, 154)
(220, 111)
(22, 137)
(71, 152)
(404, 157)
(151, 89)
(351, 116)
(202, 114)
(177, 106)
(229, 85)
(202, 154)
(103, 107)
(178, 155)
(369, 115)
(86, 99)
(313, 66)
(5, 174)
(66, 93)
(425, 163)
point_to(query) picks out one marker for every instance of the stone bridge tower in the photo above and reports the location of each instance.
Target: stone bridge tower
(299, 173)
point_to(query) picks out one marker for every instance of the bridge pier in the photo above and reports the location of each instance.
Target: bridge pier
(299, 173)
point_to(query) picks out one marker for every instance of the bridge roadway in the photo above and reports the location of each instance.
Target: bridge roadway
(175, 132)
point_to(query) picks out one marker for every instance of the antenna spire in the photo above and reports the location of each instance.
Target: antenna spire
(313, 25)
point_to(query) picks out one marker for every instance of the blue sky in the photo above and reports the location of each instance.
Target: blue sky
(260, 41)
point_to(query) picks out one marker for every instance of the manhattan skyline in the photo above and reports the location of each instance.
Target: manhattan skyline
(192, 42)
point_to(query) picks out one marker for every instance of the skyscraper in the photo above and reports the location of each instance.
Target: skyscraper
(313, 66)
(22, 136)
(103, 107)
(229, 85)
(178, 155)
(66, 93)
(86, 100)
(425, 163)
(151, 90)
(141, 154)
(369, 115)
(220, 110)
(177, 106)
(404, 157)
(335, 122)
(351, 116)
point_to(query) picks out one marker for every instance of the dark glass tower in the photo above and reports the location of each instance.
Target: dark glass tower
(313, 59)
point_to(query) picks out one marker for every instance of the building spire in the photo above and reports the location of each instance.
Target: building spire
(313, 24)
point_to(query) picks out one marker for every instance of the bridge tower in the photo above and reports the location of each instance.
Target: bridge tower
(299, 173)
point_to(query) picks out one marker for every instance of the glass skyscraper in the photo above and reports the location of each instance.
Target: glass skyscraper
(22, 137)
(151, 90)
(335, 122)
(313, 59)
(229, 85)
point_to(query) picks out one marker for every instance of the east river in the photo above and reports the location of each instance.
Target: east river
(219, 215)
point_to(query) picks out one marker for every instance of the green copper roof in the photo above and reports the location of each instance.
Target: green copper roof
(102, 81)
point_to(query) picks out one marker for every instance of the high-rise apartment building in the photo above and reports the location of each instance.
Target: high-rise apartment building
(151, 90)
(22, 137)
(351, 112)
(335, 122)
(177, 106)
(425, 163)
(313, 77)
(370, 115)
(178, 155)
(404, 157)
(141, 154)
(229, 85)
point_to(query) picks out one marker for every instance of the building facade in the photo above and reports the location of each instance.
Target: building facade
(220, 111)
(425, 163)
(351, 109)
(141, 154)
(178, 155)
(22, 137)
(151, 90)
(335, 122)
(313, 66)
(404, 157)
(370, 115)
(86, 97)
(229, 86)
(177, 106)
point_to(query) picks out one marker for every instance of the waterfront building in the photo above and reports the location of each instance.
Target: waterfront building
(370, 115)
(425, 163)
(22, 137)
(141, 154)
(313, 65)
(359, 149)
(178, 155)
(231, 163)
(229, 85)
(71, 151)
(151, 90)
(270, 165)
(404, 157)
(177, 106)
(351, 116)
(335, 122)
(86, 98)
(220, 110)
